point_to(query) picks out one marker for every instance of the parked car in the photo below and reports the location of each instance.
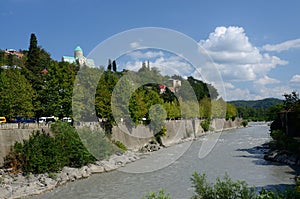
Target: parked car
(47, 119)
(67, 119)
(19, 119)
(2, 120)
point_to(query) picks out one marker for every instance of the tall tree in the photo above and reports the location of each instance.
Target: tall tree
(16, 94)
(109, 65)
(114, 66)
(33, 55)
(56, 94)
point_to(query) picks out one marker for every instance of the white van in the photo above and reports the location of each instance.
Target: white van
(42, 120)
(67, 119)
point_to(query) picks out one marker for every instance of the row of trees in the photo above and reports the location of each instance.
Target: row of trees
(259, 110)
(41, 86)
(38, 86)
(130, 96)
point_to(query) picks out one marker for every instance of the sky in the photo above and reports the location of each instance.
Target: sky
(254, 45)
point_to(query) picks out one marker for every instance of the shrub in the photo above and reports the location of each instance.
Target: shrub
(160, 195)
(44, 153)
(120, 145)
(36, 155)
(225, 189)
(205, 125)
(280, 138)
(72, 151)
(245, 123)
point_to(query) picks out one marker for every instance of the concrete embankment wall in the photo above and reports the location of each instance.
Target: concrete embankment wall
(8, 137)
(176, 131)
(133, 138)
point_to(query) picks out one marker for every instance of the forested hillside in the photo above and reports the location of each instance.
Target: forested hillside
(258, 110)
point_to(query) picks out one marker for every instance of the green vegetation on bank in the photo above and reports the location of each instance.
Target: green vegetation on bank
(226, 188)
(285, 129)
(258, 110)
(50, 153)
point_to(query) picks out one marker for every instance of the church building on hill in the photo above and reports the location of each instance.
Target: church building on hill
(79, 58)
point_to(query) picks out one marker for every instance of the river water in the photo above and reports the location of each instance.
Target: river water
(237, 153)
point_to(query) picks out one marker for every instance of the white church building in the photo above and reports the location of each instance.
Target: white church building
(79, 58)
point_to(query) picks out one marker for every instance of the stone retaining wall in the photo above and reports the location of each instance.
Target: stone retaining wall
(9, 136)
(133, 138)
(177, 131)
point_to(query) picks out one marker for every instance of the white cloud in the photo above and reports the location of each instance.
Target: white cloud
(135, 44)
(166, 65)
(235, 57)
(136, 55)
(295, 79)
(283, 46)
(267, 80)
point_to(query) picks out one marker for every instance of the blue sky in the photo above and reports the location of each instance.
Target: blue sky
(254, 44)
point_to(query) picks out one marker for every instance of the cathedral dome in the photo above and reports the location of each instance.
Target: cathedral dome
(78, 52)
(78, 49)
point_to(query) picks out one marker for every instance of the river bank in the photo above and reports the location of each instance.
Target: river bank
(238, 153)
(13, 186)
(282, 156)
(20, 185)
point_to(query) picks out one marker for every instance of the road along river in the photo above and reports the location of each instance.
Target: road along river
(238, 152)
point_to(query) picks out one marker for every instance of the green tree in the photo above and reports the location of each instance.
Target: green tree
(172, 109)
(32, 63)
(205, 108)
(121, 96)
(273, 111)
(231, 111)
(114, 66)
(141, 101)
(16, 94)
(83, 101)
(56, 94)
(218, 108)
(109, 65)
(290, 99)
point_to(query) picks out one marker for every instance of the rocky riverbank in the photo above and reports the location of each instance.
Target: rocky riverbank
(282, 156)
(20, 185)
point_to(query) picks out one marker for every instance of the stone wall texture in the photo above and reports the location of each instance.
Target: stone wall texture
(134, 139)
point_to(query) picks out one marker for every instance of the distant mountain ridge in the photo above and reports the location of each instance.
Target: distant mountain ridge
(264, 103)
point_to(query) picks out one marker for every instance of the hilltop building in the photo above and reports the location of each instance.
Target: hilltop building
(13, 52)
(79, 58)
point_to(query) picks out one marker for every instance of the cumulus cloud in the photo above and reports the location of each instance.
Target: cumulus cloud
(135, 44)
(166, 65)
(295, 79)
(136, 55)
(267, 80)
(283, 46)
(235, 56)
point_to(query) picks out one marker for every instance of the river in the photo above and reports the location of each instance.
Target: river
(237, 153)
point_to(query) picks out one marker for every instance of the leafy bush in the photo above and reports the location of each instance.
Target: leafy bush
(226, 189)
(245, 123)
(120, 145)
(36, 155)
(97, 143)
(44, 153)
(205, 125)
(160, 195)
(72, 151)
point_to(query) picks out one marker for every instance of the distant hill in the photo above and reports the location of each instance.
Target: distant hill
(264, 103)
